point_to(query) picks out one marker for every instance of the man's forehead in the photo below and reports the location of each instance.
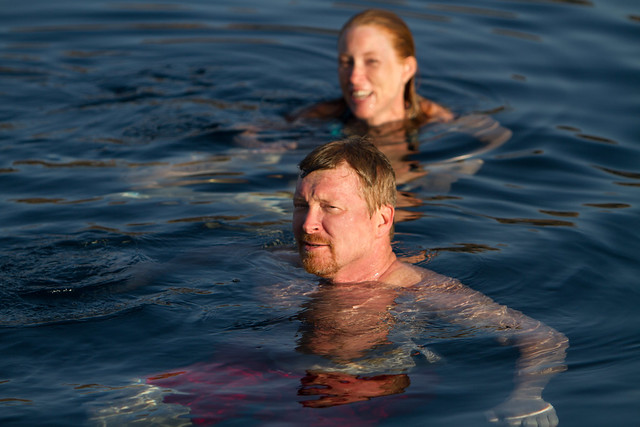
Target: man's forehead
(341, 172)
(327, 180)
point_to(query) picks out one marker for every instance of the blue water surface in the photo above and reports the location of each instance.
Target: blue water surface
(146, 174)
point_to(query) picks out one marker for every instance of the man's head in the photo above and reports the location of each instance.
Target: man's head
(377, 178)
(343, 210)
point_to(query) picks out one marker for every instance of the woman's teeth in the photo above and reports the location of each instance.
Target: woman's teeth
(361, 94)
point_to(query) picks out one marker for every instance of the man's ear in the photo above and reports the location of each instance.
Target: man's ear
(410, 68)
(385, 216)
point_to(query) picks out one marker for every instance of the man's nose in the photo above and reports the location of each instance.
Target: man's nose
(312, 221)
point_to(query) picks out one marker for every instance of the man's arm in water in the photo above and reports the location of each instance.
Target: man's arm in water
(542, 349)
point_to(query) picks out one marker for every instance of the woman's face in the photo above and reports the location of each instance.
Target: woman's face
(372, 75)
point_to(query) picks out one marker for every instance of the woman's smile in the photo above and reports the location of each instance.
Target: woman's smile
(372, 75)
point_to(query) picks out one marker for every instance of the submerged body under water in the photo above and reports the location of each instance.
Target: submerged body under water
(146, 174)
(353, 343)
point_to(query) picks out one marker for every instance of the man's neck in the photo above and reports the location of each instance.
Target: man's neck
(370, 270)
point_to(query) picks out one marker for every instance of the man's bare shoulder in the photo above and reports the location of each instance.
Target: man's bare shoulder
(436, 287)
(404, 275)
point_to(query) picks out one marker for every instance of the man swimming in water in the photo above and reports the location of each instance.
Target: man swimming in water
(343, 222)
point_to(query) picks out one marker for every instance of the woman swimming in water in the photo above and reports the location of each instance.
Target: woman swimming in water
(377, 69)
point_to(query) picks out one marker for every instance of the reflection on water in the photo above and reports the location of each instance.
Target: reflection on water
(146, 171)
(360, 344)
(494, 13)
(336, 388)
(67, 281)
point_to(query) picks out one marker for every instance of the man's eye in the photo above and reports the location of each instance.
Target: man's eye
(372, 62)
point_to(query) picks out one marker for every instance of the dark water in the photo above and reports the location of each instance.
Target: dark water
(139, 222)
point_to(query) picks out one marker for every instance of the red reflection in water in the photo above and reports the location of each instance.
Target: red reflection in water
(215, 392)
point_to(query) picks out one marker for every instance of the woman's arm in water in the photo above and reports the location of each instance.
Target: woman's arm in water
(324, 110)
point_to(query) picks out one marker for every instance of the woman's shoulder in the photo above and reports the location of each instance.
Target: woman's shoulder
(434, 112)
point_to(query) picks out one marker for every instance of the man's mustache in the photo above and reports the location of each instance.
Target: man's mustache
(313, 239)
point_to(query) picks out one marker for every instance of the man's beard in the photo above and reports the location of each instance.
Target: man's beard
(323, 265)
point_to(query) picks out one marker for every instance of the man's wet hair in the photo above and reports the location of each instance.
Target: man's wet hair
(377, 178)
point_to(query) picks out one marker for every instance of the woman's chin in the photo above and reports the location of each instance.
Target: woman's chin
(362, 115)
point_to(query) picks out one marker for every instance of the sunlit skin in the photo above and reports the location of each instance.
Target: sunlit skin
(372, 75)
(346, 241)
(337, 237)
